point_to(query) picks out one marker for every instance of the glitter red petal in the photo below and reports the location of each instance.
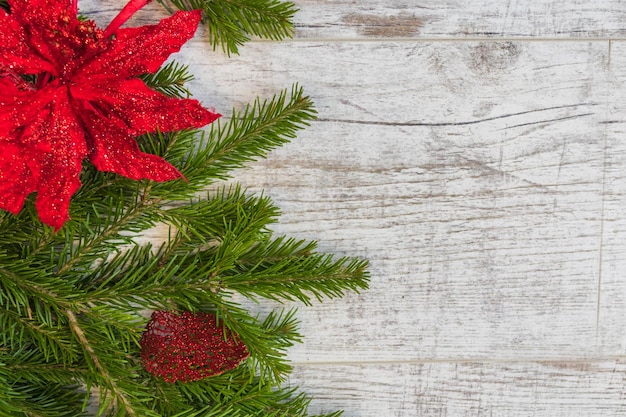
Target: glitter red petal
(15, 51)
(59, 168)
(114, 151)
(144, 49)
(151, 111)
(16, 181)
(85, 101)
(189, 347)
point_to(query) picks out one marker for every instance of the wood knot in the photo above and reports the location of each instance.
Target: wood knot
(493, 57)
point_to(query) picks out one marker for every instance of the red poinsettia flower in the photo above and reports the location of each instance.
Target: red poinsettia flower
(69, 91)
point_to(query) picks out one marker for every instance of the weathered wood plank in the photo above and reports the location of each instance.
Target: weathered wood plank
(377, 19)
(475, 189)
(445, 19)
(612, 297)
(467, 389)
(484, 180)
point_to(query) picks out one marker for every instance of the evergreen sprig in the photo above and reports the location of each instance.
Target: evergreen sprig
(231, 23)
(170, 80)
(249, 134)
(73, 304)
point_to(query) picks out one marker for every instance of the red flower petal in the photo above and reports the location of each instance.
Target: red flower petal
(136, 51)
(188, 347)
(50, 27)
(59, 165)
(113, 150)
(20, 107)
(143, 109)
(16, 178)
(45, 153)
(16, 54)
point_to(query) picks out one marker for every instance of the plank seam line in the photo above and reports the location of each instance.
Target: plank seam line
(445, 39)
(540, 361)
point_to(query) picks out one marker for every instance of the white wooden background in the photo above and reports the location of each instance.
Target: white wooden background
(475, 152)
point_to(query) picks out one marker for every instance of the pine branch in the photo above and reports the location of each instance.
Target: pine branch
(24, 392)
(42, 401)
(72, 303)
(231, 23)
(267, 340)
(98, 234)
(289, 269)
(250, 134)
(170, 80)
(240, 393)
(22, 286)
(49, 339)
(218, 215)
(121, 399)
(259, 128)
(120, 395)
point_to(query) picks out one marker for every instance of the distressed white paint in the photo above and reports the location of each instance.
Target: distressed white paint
(469, 389)
(562, 19)
(441, 19)
(484, 180)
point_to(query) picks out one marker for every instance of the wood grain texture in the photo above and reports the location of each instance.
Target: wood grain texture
(477, 199)
(468, 389)
(484, 179)
(337, 20)
(612, 295)
(375, 19)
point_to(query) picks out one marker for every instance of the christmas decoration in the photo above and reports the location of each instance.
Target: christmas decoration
(83, 121)
(82, 99)
(188, 347)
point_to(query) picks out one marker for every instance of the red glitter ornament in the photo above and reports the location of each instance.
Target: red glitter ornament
(188, 347)
(69, 91)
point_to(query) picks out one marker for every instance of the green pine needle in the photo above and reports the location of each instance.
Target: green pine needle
(231, 23)
(170, 80)
(249, 135)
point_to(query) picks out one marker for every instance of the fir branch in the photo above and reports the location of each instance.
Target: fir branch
(18, 231)
(51, 341)
(97, 235)
(123, 400)
(287, 269)
(168, 399)
(29, 371)
(49, 400)
(95, 361)
(266, 340)
(259, 128)
(227, 219)
(170, 80)
(280, 332)
(23, 396)
(71, 302)
(231, 23)
(21, 284)
(241, 393)
(249, 134)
